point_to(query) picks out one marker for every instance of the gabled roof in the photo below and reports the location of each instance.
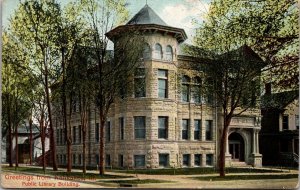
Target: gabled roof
(278, 100)
(146, 16)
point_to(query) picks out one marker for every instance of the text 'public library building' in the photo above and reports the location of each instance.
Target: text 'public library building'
(166, 123)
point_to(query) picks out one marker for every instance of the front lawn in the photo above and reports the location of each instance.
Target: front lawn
(34, 170)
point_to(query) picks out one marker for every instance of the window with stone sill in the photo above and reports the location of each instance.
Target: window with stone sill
(185, 129)
(162, 83)
(196, 90)
(169, 53)
(107, 160)
(121, 128)
(74, 134)
(163, 160)
(139, 83)
(147, 52)
(74, 159)
(140, 127)
(197, 129)
(186, 160)
(162, 127)
(185, 91)
(121, 160)
(197, 160)
(158, 52)
(139, 161)
(209, 159)
(97, 132)
(108, 131)
(208, 130)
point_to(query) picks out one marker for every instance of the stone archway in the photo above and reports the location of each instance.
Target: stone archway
(236, 147)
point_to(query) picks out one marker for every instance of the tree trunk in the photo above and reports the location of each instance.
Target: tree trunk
(17, 147)
(30, 141)
(101, 149)
(10, 139)
(83, 151)
(223, 144)
(52, 139)
(68, 136)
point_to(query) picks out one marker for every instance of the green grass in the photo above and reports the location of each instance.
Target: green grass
(194, 171)
(245, 177)
(137, 181)
(63, 173)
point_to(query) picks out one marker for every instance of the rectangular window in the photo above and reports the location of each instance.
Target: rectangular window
(108, 131)
(107, 160)
(162, 83)
(61, 159)
(139, 83)
(74, 134)
(285, 122)
(163, 160)
(121, 161)
(208, 130)
(297, 121)
(209, 159)
(197, 131)
(140, 127)
(57, 137)
(185, 94)
(196, 94)
(185, 159)
(62, 136)
(97, 159)
(185, 129)
(74, 159)
(65, 159)
(197, 159)
(79, 159)
(121, 126)
(139, 161)
(97, 132)
(79, 133)
(162, 127)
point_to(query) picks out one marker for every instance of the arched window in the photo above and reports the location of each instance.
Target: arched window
(185, 91)
(196, 92)
(169, 53)
(158, 51)
(146, 52)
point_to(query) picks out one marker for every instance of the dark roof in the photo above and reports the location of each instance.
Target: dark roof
(146, 16)
(278, 100)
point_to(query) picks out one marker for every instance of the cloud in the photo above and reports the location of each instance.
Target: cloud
(181, 15)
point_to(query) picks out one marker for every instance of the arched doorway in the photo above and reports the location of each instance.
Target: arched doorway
(236, 147)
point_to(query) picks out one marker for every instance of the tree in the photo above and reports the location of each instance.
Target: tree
(36, 26)
(235, 72)
(269, 27)
(15, 91)
(113, 72)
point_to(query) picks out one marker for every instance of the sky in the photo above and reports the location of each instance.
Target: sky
(176, 13)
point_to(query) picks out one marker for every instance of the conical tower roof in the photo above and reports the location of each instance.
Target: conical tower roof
(146, 16)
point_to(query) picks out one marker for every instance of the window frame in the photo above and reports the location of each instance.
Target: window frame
(161, 155)
(185, 132)
(158, 53)
(208, 133)
(162, 78)
(169, 53)
(198, 124)
(135, 160)
(163, 128)
(139, 128)
(122, 128)
(188, 160)
(140, 78)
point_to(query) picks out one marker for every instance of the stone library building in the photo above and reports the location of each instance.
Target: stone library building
(165, 123)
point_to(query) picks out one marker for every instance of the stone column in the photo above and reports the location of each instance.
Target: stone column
(256, 157)
(257, 142)
(227, 153)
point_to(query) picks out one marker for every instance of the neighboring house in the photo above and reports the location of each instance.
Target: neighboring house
(24, 145)
(166, 123)
(279, 136)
